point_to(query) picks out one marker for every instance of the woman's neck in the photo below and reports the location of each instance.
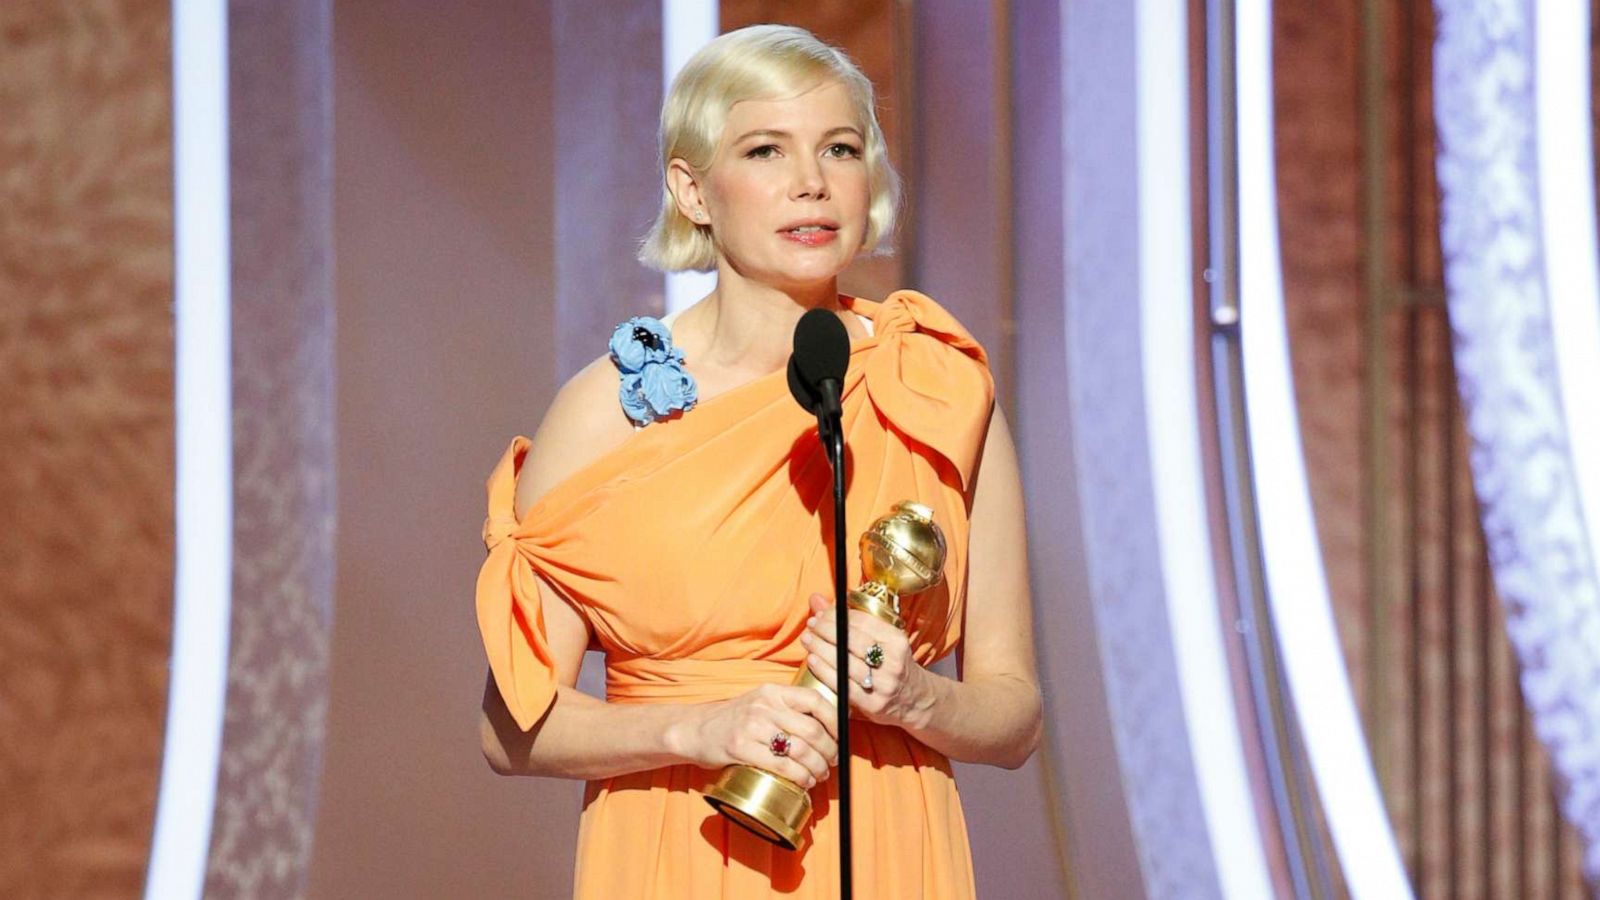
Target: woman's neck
(749, 327)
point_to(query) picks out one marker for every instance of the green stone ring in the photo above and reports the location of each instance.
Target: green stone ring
(874, 655)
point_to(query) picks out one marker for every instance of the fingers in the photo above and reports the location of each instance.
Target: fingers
(757, 751)
(806, 763)
(863, 628)
(818, 709)
(864, 631)
(801, 714)
(804, 712)
(823, 667)
(810, 745)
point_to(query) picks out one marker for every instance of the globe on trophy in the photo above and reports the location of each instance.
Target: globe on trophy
(902, 554)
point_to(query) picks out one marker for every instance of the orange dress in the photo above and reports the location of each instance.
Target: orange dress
(691, 551)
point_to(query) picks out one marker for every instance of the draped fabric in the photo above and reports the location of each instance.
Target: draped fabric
(691, 550)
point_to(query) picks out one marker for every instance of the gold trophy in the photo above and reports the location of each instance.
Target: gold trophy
(901, 554)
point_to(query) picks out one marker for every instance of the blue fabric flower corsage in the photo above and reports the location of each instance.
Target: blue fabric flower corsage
(654, 384)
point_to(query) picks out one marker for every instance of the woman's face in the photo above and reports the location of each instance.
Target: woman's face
(787, 195)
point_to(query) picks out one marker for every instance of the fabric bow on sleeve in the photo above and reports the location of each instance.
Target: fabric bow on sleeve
(510, 616)
(930, 378)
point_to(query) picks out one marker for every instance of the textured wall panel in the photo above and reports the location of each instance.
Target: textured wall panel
(1104, 396)
(1088, 813)
(280, 96)
(86, 431)
(1502, 306)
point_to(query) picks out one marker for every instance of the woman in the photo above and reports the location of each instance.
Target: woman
(672, 509)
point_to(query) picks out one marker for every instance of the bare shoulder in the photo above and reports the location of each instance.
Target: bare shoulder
(583, 423)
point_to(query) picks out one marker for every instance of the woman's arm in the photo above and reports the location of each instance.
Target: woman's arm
(581, 736)
(994, 713)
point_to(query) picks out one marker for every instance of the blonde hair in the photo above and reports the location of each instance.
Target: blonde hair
(761, 62)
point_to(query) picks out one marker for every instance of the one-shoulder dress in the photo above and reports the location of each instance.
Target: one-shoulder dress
(691, 551)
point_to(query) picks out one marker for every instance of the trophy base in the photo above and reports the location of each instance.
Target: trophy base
(771, 807)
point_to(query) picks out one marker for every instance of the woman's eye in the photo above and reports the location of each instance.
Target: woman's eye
(765, 151)
(843, 151)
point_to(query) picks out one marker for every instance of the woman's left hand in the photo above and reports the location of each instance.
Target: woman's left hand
(898, 686)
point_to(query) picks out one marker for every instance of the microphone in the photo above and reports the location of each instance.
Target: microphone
(816, 378)
(817, 367)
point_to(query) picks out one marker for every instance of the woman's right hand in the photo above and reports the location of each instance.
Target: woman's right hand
(740, 730)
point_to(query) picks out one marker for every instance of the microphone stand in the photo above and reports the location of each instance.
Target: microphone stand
(817, 385)
(832, 434)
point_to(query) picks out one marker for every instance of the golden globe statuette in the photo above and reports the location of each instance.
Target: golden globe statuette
(901, 554)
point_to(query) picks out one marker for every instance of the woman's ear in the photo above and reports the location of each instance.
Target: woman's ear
(684, 185)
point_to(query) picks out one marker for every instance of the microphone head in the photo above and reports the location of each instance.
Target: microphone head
(803, 395)
(821, 348)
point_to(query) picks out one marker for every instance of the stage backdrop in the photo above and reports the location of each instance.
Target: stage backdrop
(86, 434)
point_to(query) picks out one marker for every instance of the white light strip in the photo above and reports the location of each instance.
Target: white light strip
(197, 678)
(1296, 585)
(1566, 208)
(1166, 322)
(686, 26)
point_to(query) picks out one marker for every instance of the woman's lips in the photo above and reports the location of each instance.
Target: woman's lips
(811, 237)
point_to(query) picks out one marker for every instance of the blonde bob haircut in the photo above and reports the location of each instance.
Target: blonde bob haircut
(761, 62)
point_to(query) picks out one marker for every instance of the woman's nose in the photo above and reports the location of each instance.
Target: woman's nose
(809, 183)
